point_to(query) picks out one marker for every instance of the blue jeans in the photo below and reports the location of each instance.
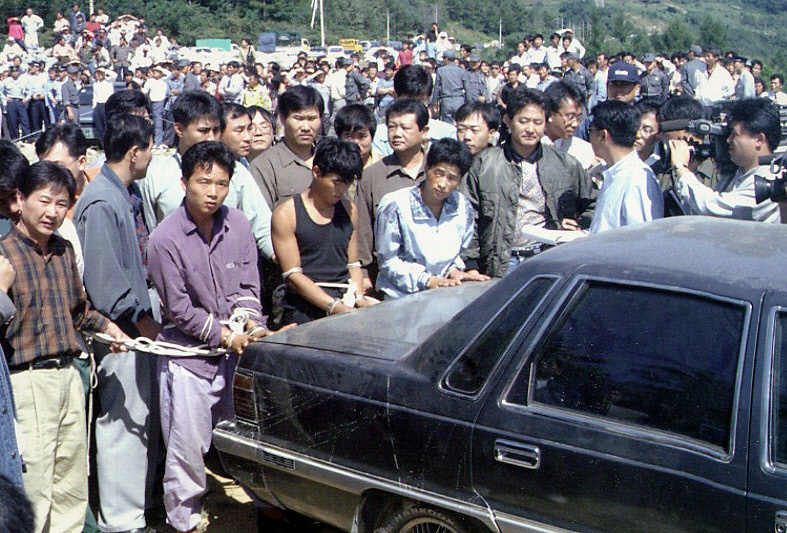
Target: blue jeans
(10, 461)
(158, 122)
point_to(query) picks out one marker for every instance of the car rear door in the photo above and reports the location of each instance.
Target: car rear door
(766, 508)
(627, 410)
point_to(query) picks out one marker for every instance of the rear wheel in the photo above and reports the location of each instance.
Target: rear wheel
(420, 519)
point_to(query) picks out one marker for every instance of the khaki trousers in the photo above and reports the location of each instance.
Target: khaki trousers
(50, 406)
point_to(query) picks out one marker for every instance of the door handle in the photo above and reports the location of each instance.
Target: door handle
(518, 454)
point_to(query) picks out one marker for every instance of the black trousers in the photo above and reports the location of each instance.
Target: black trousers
(37, 112)
(17, 117)
(100, 123)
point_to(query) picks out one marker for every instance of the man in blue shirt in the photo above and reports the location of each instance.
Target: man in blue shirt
(420, 231)
(630, 193)
(15, 92)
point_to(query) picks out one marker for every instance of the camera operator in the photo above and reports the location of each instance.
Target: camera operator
(683, 108)
(754, 132)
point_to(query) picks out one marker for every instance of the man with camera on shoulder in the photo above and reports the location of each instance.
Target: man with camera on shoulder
(754, 132)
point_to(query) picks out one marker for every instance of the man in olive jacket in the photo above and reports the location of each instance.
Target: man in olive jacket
(522, 186)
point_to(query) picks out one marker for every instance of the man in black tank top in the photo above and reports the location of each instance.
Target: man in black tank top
(315, 240)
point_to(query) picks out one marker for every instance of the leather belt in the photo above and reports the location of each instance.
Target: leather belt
(61, 361)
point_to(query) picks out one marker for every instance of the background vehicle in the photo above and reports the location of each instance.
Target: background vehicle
(632, 381)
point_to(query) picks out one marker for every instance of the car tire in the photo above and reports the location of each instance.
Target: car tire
(419, 519)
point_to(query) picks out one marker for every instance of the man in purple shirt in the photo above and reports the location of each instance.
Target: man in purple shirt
(202, 260)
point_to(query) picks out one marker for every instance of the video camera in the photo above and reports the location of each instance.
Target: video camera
(714, 144)
(775, 190)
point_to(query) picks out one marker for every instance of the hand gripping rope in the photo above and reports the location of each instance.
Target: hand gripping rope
(236, 323)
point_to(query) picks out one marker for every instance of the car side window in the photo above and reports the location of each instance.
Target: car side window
(645, 356)
(779, 380)
(469, 373)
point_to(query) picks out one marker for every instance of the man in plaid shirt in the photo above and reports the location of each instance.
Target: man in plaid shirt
(40, 343)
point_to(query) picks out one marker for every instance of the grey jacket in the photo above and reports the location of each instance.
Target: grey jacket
(114, 275)
(492, 186)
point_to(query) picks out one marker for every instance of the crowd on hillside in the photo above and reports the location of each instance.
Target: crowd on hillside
(288, 194)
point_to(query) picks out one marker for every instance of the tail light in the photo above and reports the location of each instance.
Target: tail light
(244, 399)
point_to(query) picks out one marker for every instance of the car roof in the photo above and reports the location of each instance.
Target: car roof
(727, 251)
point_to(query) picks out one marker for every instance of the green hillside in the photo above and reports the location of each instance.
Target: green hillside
(755, 28)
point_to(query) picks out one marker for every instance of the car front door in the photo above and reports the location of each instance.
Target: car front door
(627, 410)
(766, 508)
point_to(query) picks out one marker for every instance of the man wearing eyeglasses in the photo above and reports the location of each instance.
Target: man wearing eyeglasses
(564, 103)
(521, 187)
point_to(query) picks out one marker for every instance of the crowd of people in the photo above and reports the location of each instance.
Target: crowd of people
(293, 194)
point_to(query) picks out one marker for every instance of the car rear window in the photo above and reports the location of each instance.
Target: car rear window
(651, 357)
(469, 373)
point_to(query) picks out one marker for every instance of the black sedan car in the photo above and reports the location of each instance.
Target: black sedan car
(631, 381)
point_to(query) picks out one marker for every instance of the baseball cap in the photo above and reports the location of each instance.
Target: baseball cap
(696, 49)
(475, 56)
(622, 71)
(647, 58)
(449, 54)
(73, 69)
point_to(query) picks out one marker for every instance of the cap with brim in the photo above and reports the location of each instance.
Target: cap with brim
(741, 59)
(622, 71)
(572, 55)
(649, 58)
(184, 63)
(449, 54)
(475, 57)
(73, 69)
(697, 50)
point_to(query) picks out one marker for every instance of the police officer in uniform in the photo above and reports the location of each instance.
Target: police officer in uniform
(36, 91)
(448, 94)
(475, 81)
(14, 91)
(653, 83)
(70, 95)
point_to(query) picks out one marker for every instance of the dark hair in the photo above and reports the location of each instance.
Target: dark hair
(680, 108)
(44, 174)
(757, 80)
(778, 77)
(233, 64)
(407, 106)
(206, 154)
(514, 67)
(522, 97)
(14, 164)
(231, 111)
(487, 110)
(354, 117)
(67, 133)
(647, 106)
(267, 115)
(16, 513)
(449, 151)
(756, 62)
(758, 115)
(558, 92)
(343, 158)
(123, 133)
(621, 120)
(194, 105)
(537, 36)
(412, 81)
(298, 98)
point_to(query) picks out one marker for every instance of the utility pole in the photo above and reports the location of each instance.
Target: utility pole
(387, 26)
(322, 24)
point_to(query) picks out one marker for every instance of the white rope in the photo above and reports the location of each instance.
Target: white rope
(236, 323)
